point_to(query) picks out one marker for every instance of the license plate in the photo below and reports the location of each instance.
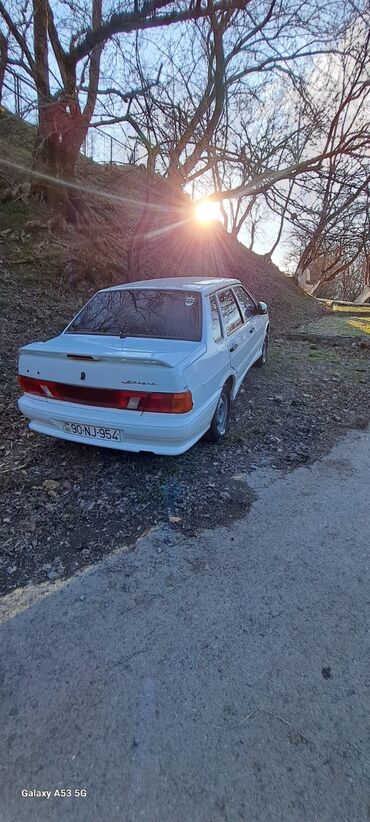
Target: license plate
(92, 432)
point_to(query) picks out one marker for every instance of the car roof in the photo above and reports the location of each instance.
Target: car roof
(203, 284)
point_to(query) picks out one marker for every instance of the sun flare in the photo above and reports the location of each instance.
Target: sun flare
(206, 211)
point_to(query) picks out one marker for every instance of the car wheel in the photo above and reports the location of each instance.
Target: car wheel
(220, 419)
(262, 359)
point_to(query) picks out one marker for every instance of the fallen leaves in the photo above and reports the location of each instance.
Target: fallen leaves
(51, 486)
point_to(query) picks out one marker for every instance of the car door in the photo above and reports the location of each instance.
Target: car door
(253, 321)
(236, 332)
(207, 374)
(218, 350)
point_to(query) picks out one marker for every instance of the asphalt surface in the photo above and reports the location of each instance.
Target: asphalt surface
(226, 677)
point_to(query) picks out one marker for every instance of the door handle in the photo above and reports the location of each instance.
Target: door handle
(252, 329)
(233, 348)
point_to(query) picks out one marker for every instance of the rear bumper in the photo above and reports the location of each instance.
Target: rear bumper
(167, 434)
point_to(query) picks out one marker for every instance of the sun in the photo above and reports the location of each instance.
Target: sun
(206, 211)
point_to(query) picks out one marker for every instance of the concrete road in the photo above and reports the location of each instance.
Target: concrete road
(221, 678)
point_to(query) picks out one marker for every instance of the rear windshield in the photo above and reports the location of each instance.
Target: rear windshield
(144, 312)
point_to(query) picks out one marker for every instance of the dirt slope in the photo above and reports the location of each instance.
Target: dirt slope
(125, 204)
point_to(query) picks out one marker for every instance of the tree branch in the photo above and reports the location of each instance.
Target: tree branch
(17, 36)
(40, 40)
(147, 18)
(94, 68)
(128, 95)
(59, 52)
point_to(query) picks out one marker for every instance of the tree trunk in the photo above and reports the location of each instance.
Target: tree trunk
(3, 61)
(152, 157)
(305, 259)
(174, 176)
(62, 128)
(62, 131)
(139, 239)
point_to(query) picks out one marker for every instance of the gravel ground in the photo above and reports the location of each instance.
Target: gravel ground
(63, 505)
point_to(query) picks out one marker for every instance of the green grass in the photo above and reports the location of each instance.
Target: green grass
(324, 356)
(340, 327)
(361, 324)
(342, 308)
(351, 309)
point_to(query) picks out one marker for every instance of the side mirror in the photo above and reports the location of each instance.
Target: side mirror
(262, 308)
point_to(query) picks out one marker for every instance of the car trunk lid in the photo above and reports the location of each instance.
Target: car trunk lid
(109, 362)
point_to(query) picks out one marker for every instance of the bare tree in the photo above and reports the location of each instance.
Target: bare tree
(332, 210)
(316, 176)
(63, 119)
(212, 89)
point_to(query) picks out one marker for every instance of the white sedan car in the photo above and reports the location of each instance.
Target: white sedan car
(147, 366)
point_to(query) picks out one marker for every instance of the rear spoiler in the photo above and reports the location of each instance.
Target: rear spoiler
(119, 356)
(145, 359)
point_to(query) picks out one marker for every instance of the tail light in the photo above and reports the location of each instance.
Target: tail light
(155, 402)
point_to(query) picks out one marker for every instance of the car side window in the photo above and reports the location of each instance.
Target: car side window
(216, 322)
(230, 311)
(246, 303)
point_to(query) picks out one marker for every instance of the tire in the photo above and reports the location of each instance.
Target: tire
(220, 419)
(262, 359)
